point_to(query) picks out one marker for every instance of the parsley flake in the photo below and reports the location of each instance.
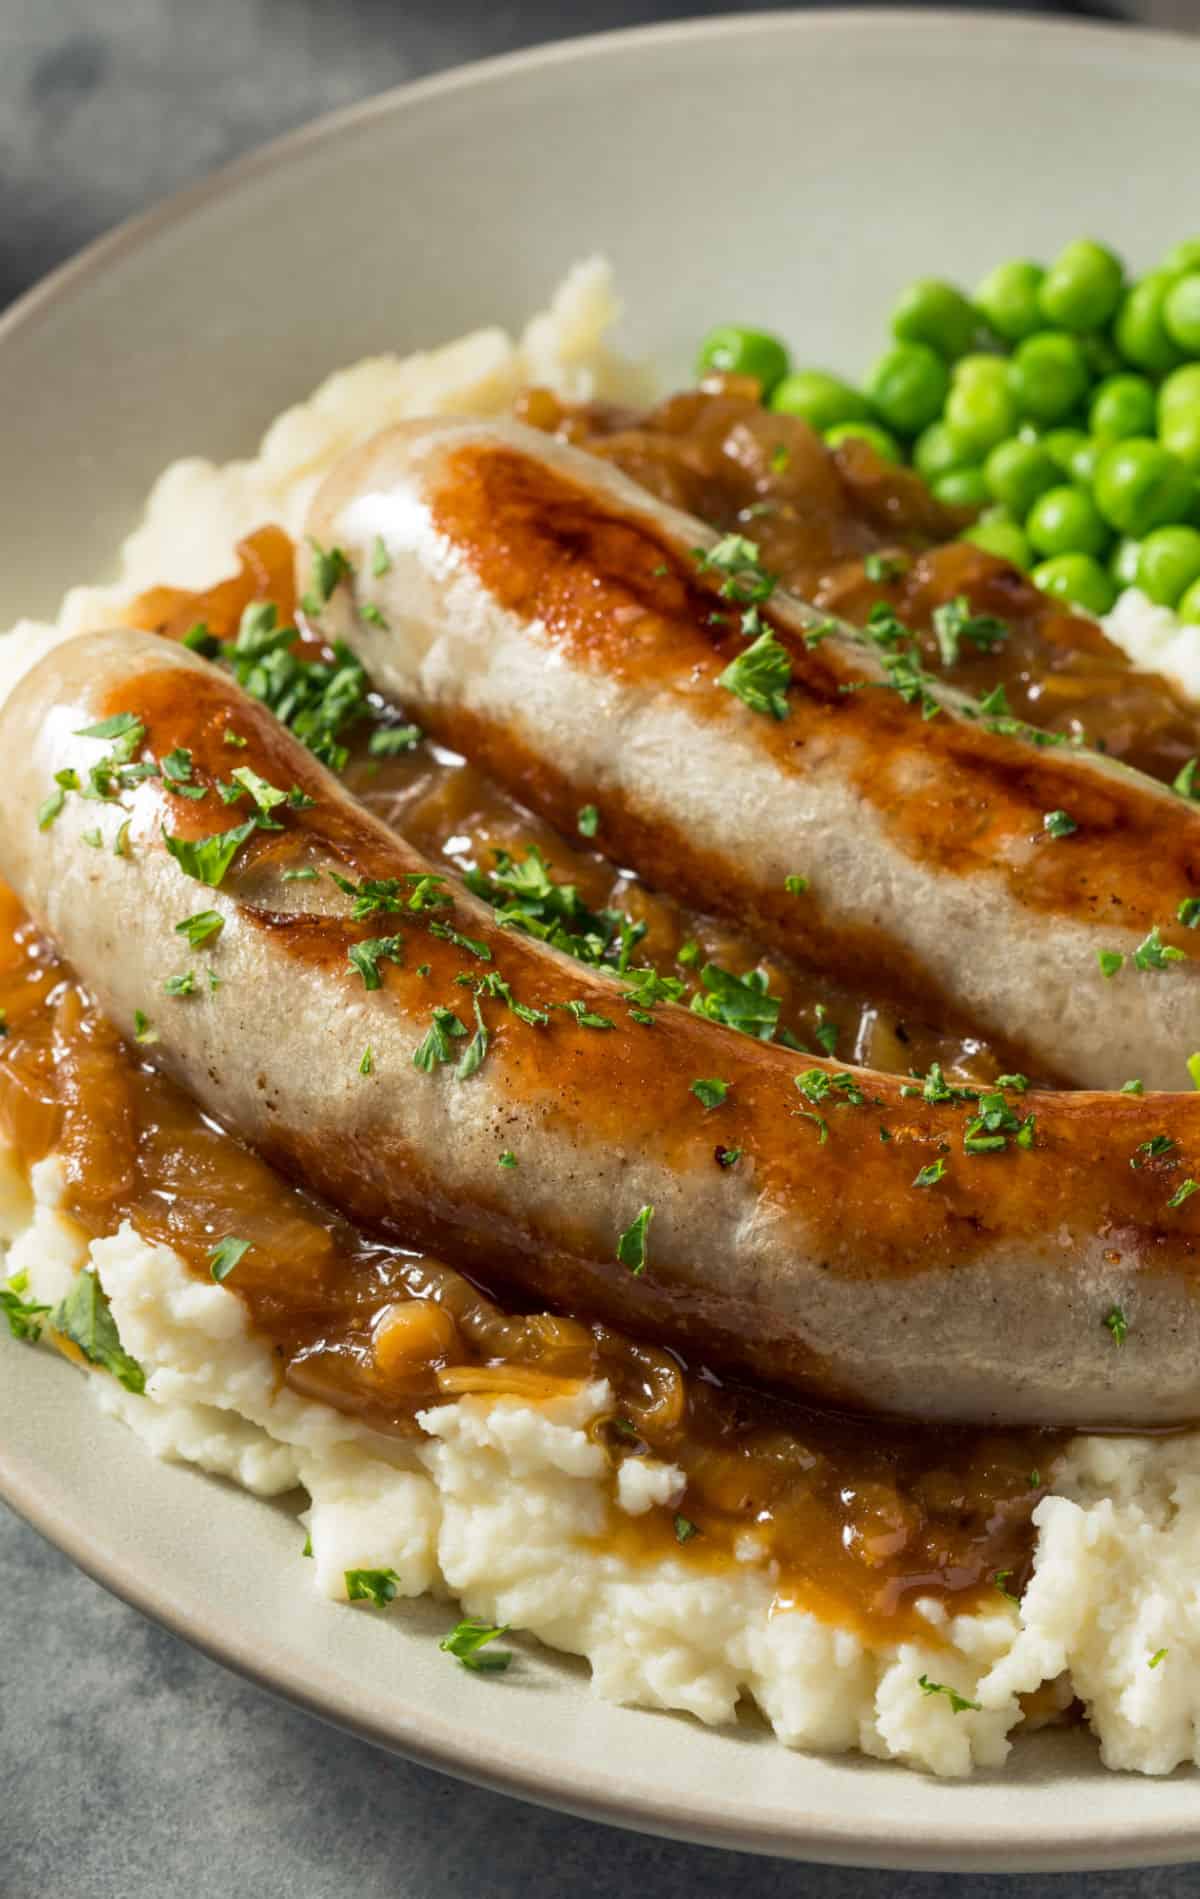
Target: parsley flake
(366, 957)
(469, 1644)
(85, 1318)
(959, 1703)
(1117, 1324)
(631, 1244)
(201, 928)
(588, 820)
(760, 677)
(1059, 824)
(710, 1094)
(225, 1256)
(207, 859)
(372, 1585)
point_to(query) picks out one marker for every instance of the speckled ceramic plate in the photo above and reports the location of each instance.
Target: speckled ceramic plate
(790, 170)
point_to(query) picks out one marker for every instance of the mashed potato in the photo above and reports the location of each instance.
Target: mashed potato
(499, 1505)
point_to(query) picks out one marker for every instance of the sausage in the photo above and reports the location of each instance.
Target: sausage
(788, 1238)
(539, 611)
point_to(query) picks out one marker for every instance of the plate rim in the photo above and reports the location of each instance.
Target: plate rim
(791, 1833)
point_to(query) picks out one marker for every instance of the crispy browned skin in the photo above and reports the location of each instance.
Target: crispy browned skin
(813, 1261)
(550, 619)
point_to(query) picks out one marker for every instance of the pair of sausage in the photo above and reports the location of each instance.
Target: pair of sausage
(830, 1231)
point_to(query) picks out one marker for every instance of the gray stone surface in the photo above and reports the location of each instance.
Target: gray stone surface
(130, 1766)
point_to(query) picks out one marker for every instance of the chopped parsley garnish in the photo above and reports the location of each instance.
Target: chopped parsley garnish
(1019, 1084)
(232, 738)
(989, 1131)
(366, 957)
(586, 1016)
(468, 1643)
(959, 1703)
(1153, 1149)
(588, 820)
(122, 725)
(1059, 824)
(631, 1244)
(817, 1085)
(373, 895)
(201, 928)
(1134, 1086)
(85, 1318)
(307, 875)
(1184, 781)
(184, 985)
(51, 807)
(826, 1031)
(746, 581)
(954, 622)
(493, 984)
(387, 741)
(198, 639)
(121, 840)
(685, 1529)
(93, 838)
(1188, 912)
(760, 676)
(329, 566)
(935, 1088)
(1110, 962)
(226, 1255)
(647, 987)
(314, 698)
(367, 1065)
(476, 1049)
(265, 796)
(710, 1094)
(929, 1176)
(1193, 1068)
(727, 1156)
(688, 953)
(24, 1315)
(372, 614)
(795, 885)
(381, 560)
(1153, 953)
(507, 1158)
(1184, 1191)
(469, 943)
(142, 1030)
(740, 1002)
(372, 1585)
(527, 898)
(999, 1579)
(208, 858)
(880, 568)
(435, 1048)
(1158, 1656)
(1117, 1324)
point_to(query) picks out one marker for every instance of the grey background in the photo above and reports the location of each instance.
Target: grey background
(129, 1765)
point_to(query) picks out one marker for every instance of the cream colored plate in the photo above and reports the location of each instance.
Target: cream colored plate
(792, 171)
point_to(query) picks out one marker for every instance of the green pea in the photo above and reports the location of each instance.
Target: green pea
(1140, 485)
(1179, 432)
(1018, 472)
(1123, 563)
(1066, 521)
(1047, 376)
(886, 446)
(962, 488)
(1081, 287)
(1061, 444)
(908, 386)
(1008, 299)
(979, 415)
(1189, 607)
(1084, 460)
(980, 368)
(935, 452)
(1123, 405)
(733, 350)
(1183, 257)
(1180, 390)
(1181, 313)
(1079, 580)
(936, 313)
(1140, 332)
(1004, 539)
(820, 399)
(1169, 564)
